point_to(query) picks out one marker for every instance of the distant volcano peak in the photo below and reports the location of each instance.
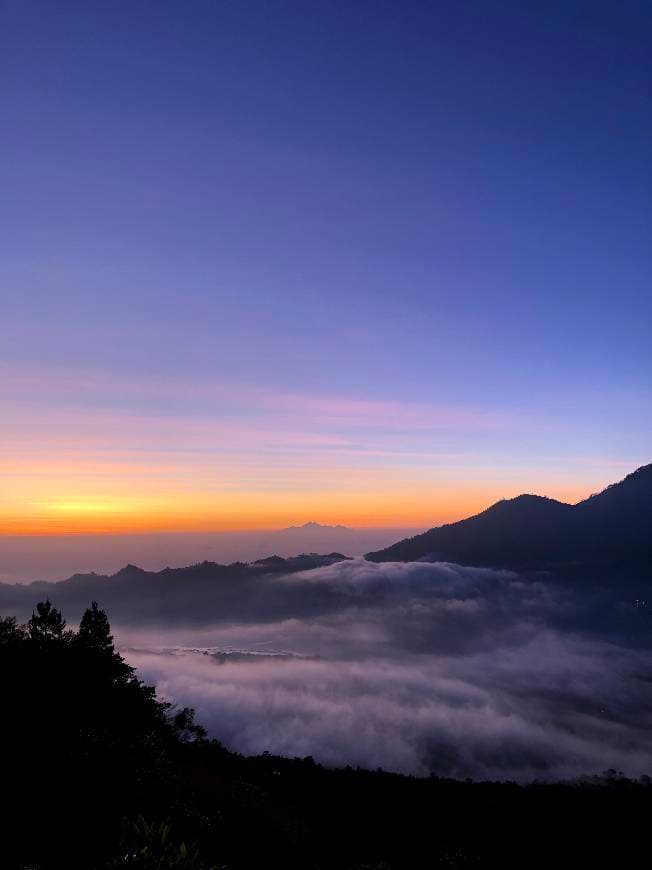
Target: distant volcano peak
(313, 526)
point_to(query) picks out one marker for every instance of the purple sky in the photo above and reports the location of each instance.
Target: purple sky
(375, 263)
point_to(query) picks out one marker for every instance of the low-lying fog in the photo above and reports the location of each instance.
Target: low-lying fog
(421, 668)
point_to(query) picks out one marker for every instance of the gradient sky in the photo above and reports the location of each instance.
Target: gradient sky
(362, 262)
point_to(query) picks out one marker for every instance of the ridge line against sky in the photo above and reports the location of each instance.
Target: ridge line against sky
(375, 263)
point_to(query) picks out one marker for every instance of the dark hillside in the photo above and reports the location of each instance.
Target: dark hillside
(608, 534)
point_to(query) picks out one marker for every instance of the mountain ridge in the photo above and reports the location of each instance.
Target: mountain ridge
(534, 532)
(312, 526)
(194, 591)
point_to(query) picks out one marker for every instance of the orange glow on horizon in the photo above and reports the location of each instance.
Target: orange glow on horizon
(77, 458)
(237, 511)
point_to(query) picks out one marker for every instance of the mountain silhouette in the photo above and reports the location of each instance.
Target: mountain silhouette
(312, 526)
(609, 533)
(198, 592)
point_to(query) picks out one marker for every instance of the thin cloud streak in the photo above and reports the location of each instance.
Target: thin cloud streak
(187, 445)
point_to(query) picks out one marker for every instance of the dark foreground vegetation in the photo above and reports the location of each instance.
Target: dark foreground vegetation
(97, 773)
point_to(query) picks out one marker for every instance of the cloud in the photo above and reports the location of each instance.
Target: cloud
(417, 668)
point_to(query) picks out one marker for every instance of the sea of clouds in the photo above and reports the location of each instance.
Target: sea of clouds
(420, 668)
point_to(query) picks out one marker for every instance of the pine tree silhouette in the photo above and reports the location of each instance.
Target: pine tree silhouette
(46, 623)
(95, 630)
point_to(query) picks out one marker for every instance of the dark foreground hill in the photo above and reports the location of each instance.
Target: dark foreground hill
(608, 534)
(99, 774)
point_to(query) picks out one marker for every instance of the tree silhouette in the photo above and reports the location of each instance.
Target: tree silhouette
(10, 633)
(46, 623)
(70, 701)
(95, 630)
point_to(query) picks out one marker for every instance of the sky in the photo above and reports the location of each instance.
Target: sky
(367, 263)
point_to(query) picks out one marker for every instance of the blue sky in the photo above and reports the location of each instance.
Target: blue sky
(411, 212)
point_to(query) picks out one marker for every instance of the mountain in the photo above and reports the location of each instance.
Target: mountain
(203, 592)
(608, 533)
(317, 537)
(25, 558)
(312, 526)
